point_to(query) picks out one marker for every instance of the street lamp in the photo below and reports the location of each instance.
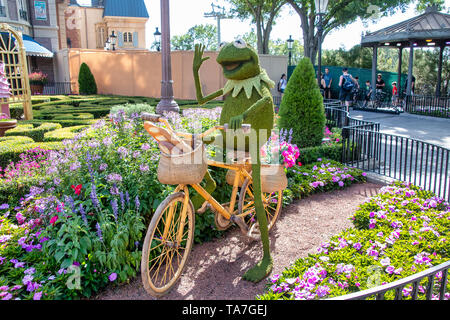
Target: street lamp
(290, 43)
(107, 44)
(321, 9)
(157, 35)
(113, 40)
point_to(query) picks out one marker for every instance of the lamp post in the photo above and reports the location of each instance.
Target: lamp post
(321, 8)
(113, 40)
(290, 43)
(157, 35)
(167, 102)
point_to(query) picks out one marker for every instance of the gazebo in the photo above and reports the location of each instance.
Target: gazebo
(431, 29)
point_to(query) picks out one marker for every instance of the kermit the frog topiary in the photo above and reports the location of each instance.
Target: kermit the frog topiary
(247, 100)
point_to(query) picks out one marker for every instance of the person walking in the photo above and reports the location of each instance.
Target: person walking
(346, 83)
(328, 81)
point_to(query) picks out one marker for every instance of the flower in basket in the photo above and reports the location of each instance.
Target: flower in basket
(38, 78)
(279, 150)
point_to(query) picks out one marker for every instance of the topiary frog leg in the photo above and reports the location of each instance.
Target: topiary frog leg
(263, 268)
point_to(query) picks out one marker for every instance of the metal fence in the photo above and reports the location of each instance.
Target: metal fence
(57, 88)
(379, 292)
(428, 105)
(365, 147)
(418, 162)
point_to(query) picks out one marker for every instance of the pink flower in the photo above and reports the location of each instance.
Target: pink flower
(53, 220)
(112, 277)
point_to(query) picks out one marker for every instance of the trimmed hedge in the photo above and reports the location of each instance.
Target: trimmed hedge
(63, 123)
(64, 133)
(36, 132)
(311, 154)
(75, 116)
(11, 150)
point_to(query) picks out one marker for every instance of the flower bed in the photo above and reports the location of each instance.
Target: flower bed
(74, 218)
(399, 232)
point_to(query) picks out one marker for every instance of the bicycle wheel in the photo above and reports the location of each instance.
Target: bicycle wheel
(167, 244)
(246, 207)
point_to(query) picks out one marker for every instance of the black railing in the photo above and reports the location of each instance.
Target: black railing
(428, 105)
(57, 88)
(397, 286)
(365, 147)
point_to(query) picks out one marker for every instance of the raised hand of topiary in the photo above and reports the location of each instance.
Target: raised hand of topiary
(248, 100)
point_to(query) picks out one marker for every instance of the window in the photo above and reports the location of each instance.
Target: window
(2, 9)
(127, 37)
(23, 14)
(101, 37)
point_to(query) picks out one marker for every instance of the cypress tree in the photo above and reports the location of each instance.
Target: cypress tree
(302, 107)
(86, 80)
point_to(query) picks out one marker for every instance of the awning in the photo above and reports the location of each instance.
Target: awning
(34, 48)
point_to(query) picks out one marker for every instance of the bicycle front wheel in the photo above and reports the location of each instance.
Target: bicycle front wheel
(167, 244)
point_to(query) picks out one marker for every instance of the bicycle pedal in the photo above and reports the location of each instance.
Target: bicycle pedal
(240, 223)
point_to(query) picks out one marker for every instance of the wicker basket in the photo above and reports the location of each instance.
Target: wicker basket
(273, 178)
(188, 168)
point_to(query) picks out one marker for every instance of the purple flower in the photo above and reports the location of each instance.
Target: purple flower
(341, 184)
(115, 208)
(357, 246)
(144, 168)
(4, 206)
(145, 147)
(37, 295)
(99, 231)
(112, 277)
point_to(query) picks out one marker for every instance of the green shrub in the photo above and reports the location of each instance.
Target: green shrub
(311, 154)
(36, 132)
(130, 109)
(64, 133)
(10, 151)
(75, 116)
(302, 107)
(63, 123)
(86, 80)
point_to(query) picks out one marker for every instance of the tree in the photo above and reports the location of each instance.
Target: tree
(279, 48)
(263, 14)
(341, 13)
(302, 107)
(86, 81)
(204, 34)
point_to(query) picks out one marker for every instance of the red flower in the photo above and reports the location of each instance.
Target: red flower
(299, 164)
(77, 189)
(53, 220)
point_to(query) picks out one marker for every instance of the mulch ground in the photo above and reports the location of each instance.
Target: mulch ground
(214, 269)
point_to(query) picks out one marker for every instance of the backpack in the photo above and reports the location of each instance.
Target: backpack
(348, 84)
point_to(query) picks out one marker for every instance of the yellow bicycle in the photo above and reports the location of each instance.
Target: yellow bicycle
(170, 234)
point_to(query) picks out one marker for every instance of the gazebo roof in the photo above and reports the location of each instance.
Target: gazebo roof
(429, 29)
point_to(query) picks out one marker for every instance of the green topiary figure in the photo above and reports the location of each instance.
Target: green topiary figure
(302, 107)
(86, 80)
(248, 100)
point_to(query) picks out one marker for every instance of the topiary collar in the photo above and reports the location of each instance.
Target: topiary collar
(248, 84)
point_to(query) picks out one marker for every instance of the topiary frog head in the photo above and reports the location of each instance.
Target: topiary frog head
(238, 60)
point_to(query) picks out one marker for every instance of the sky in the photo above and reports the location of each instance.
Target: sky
(184, 14)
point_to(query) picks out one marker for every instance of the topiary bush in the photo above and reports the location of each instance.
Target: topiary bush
(34, 131)
(86, 81)
(64, 133)
(302, 107)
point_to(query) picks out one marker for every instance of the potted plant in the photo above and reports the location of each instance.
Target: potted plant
(37, 82)
(6, 123)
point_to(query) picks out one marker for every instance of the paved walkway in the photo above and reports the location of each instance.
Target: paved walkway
(428, 129)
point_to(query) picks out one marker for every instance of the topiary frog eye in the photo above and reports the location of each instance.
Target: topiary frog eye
(221, 45)
(239, 43)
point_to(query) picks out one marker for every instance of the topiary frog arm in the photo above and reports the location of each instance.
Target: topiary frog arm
(236, 122)
(198, 61)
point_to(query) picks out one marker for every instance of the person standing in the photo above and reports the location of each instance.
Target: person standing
(347, 84)
(282, 84)
(328, 81)
(380, 84)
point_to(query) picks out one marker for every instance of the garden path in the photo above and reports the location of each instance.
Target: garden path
(214, 269)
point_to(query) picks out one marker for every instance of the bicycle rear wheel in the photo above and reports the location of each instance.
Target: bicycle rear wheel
(167, 244)
(272, 205)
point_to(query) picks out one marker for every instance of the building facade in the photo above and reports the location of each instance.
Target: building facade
(37, 21)
(88, 24)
